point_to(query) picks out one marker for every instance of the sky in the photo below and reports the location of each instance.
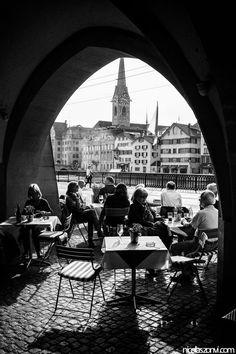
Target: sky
(92, 101)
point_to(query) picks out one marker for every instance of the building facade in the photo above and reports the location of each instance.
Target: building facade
(180, 148)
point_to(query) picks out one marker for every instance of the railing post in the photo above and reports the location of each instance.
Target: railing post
(195, 184)
(145, 180)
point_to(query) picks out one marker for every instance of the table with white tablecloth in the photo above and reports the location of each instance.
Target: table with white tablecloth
(120, 253)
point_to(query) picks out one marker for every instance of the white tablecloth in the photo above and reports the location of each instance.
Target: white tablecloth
(120, 254)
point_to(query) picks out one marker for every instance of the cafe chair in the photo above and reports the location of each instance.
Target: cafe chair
(199, 258)
(81, 267)
(109, 228)
(82, 227)
(164, 210)
(55, 237)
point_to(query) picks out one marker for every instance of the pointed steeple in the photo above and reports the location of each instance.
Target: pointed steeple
(121, 74)
(121, 99)
(156, 122)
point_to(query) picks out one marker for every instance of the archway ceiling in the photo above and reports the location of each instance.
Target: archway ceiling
(67, 56)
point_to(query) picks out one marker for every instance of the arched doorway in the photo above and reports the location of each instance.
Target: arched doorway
(39, 82)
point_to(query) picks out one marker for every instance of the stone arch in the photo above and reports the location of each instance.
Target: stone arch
(178, 56)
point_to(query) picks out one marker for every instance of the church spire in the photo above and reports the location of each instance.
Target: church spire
(121, 74)
(121, 99)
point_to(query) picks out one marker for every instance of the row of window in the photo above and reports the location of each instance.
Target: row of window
(137, 162)
(179, 141)
(138, 147)
(181, 151)
(144, 154)
(180, 159)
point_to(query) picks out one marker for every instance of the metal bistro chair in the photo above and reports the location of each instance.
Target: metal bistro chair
(54, 237)
(82, 227)
(208, 245)
(81, 267)
(119, 213)
(110, 230)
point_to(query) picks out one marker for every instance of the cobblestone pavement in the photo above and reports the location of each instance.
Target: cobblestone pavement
(29, 325)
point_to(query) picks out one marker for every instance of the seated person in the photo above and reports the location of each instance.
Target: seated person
(109, 188)
(141, 213)
(170, 199)
(213, 187)
(119, 199)
(81, 212)
(141, 185)
(205, 219)
(41, 207)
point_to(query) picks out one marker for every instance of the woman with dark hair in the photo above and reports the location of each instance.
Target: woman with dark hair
(119, 199)
(140, 212)
(81, 212)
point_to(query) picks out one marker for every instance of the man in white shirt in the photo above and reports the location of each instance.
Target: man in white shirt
(205, 219)
(170, 197)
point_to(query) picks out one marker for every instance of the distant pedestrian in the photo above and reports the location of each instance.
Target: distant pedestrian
(89, 177)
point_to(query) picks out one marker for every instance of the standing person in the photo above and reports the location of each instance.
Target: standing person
(89, 176)
(170, 199)
(40, 207)
(81, 212)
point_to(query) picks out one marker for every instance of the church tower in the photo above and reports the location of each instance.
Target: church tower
(121, 99)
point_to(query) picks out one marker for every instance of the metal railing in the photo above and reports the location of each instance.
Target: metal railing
(194, 182)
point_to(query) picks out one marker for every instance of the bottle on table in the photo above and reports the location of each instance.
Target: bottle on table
(18, 213)
(190, 212)
(175, 214)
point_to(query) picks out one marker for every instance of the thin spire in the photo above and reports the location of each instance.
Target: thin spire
(146, 118)
(121, 74)
(156, 124)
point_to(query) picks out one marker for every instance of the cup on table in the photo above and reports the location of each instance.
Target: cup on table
(170, 216)
(23, 217)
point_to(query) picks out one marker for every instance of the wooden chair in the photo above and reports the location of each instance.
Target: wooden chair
(207, 248)
(80, 267)
(54, 237)
(119, 213)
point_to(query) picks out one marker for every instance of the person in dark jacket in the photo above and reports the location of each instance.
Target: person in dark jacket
(81, 212)
(119, 199)
(108, 189)
(140, 212)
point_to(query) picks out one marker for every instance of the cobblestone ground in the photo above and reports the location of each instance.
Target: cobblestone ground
(29, 325)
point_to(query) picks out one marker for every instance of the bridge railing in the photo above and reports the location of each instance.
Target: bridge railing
(194, 182)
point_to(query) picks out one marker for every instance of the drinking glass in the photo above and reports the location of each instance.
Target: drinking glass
(100, 199)
(170, 216)
(120, 230)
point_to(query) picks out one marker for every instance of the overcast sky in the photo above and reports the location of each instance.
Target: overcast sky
(92, 101)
